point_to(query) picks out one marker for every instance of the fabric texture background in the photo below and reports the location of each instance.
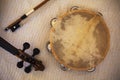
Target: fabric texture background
(35, 30)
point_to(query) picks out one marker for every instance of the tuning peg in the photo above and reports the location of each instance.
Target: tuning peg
(28, 69)
(26, 45)
(20, 64)
(36, 51)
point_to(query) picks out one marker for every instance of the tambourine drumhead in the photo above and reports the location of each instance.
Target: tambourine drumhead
(79, 39)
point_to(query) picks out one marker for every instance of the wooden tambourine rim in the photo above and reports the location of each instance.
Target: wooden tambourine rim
(108, 37)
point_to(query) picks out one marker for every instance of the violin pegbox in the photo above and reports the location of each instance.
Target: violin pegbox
(20, 64)
(25, 47)
(28, 69)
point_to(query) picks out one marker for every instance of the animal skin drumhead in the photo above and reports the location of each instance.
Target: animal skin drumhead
(79, 39)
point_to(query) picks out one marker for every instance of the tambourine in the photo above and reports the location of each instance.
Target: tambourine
(79, 39)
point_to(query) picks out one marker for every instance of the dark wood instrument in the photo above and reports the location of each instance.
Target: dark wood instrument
(37, 64)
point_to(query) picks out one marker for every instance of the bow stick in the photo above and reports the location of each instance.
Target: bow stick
(16, 24)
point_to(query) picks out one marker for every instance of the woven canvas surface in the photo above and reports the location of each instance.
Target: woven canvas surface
(36, 31)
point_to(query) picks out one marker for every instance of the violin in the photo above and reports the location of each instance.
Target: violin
(37, 64)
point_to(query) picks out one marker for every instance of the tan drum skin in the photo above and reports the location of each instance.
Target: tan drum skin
(79, 39)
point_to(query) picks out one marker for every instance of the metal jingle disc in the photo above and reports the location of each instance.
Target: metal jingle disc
(48, 47)
(91, 70)
(74, 8)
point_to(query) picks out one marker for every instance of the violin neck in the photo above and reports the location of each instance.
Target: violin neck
(8, 47)
(16, 52)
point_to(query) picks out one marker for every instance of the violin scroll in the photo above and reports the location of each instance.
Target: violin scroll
(39, 66)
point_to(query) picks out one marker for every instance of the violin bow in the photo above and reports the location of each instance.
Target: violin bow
(16, 24)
